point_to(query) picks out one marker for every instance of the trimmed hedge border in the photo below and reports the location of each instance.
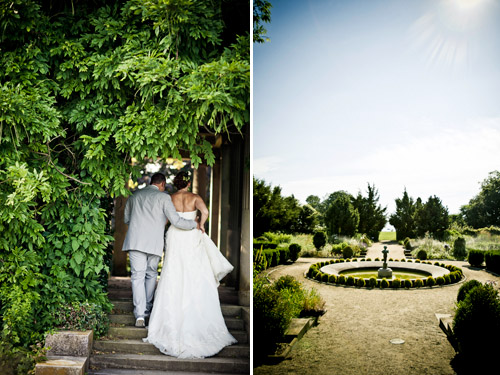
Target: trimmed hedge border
(455, 276)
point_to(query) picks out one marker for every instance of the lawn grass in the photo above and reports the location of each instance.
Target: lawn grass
(387, 236)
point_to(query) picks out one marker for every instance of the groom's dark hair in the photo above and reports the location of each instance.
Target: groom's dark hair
(158, 178)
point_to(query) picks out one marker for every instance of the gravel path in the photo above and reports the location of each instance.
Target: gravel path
(354, 335)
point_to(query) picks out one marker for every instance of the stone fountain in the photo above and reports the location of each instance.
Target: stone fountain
(385, 271)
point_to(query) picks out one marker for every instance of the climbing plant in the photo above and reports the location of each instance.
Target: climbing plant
(85, 87)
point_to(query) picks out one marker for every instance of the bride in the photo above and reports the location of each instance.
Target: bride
(186, 320)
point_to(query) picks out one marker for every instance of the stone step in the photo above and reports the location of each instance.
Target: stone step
(131, 332)
(141, 347)
(126, 306)
(129, 320)
(167, 363)
(227, 295)
(117, 371)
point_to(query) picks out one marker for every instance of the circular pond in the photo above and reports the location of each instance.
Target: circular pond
(365, 274)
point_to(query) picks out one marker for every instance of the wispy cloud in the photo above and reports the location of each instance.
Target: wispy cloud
(265, 165)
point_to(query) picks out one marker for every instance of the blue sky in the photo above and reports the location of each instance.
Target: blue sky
(396, 93)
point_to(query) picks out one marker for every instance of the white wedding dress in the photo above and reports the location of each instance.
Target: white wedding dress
(186, 320)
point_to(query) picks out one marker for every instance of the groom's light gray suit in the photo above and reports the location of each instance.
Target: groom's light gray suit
(146, 214)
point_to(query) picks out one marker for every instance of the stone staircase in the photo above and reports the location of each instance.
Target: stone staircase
(123, 351)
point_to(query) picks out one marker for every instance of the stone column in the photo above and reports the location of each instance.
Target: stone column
(119, 256)
(245, 248)
(215, 198)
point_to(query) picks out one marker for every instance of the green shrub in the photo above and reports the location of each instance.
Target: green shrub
(284, 254)
(287, 282)
(313, 303)
(372, 282)
(440, 280)
(350, 280)
(318, 276)
(422, 254)
(492, 259)
(82, 316)
(459, 250)
(319, 240)
(332, 279)
(396, 283)
(430, 281)
(257, 244)
(294, 251)
(466, 288)
(384, 283)
(277, 238)
(447, 279)
(476, 257)
(476, 325)
(324, 277)
(341, 280)
(407, 284)
(419, 283)
(272, 314)
(407, 244)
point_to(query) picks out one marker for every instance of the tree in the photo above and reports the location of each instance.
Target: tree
(431, 217)
(403, 218)
(272, 211)
(371, 215)
(85, 88)
(341, 217)
(484, 209)
(308, 219)
(261, 14)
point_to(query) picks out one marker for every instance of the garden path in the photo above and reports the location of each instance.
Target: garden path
(353, 337)
(396, 251)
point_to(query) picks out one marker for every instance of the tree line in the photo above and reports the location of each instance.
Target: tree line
(342, 214)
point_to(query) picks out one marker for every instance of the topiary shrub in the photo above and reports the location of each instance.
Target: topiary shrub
(396, 283)
(419, 283)
(317, 277)
(440, 280)
(324, 277)
(459, 251)
(492, 259)
(332, 279)
(466, 288)
(476, 326)
(430, 281)
(372, 282)
(319, 240)
(347, 252)
(447, 279)
(422, 254)
(350, 280)
(341, 280)
(384, 283)
(360, 282)
(283, 253)
(476, 257)
(294, 251)
(408, 284)
(407, 244)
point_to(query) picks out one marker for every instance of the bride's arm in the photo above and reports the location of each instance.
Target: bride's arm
(200, 205)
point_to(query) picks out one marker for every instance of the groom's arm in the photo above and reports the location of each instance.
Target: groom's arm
(173, 216)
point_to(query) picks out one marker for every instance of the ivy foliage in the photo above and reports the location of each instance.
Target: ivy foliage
(85, 87)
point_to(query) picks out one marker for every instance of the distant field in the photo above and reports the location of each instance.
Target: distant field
(387, 236)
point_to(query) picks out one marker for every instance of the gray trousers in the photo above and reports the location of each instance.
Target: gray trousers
(144, 268)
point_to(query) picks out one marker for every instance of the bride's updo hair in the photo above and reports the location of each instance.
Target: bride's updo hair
(181, 180)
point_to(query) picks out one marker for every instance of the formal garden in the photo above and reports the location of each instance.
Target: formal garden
(87, 89)
(300, 253)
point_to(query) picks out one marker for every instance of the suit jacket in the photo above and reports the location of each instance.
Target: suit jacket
(146, 214)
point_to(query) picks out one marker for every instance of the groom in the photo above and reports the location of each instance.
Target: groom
(146, 214)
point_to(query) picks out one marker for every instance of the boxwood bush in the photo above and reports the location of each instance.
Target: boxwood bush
(294, 251)
(476, 257)
(492, 259)
(476, 325)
